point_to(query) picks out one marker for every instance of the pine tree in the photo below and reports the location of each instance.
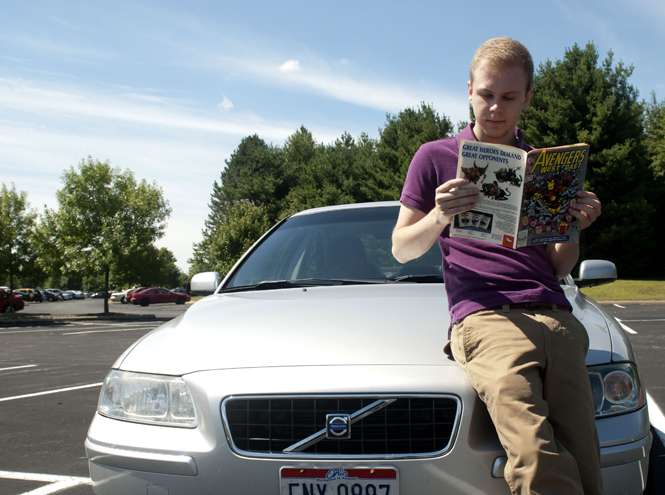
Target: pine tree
(578, 99)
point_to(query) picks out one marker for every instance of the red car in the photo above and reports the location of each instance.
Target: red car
(155, 295)
(6, 305)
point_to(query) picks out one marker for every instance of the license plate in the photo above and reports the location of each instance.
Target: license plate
(338, 481)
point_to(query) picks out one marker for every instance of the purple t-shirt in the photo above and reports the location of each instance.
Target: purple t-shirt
(478, 275)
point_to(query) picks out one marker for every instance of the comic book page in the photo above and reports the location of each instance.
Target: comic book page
(497, 171)
(553, 177)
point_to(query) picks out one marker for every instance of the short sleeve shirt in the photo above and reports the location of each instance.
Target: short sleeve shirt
(477, 274)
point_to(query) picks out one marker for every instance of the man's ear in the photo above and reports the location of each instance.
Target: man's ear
(470, 88)
(527, 99)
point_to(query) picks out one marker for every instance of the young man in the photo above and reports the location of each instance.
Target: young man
(513, 333)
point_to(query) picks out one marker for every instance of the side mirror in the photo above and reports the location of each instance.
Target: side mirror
(596, 272)
(206, 283)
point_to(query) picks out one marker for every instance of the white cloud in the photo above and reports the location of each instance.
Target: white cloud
(290, 66)
(225, 105)
(365, 91)
(50, 101)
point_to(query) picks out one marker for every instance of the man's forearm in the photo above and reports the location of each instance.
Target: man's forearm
(410, 241)
(416, 231)
(563, 257)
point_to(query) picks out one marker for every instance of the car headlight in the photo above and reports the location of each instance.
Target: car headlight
(142, 398)
(616, 389)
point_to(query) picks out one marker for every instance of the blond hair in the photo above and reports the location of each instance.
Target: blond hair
(502, 53)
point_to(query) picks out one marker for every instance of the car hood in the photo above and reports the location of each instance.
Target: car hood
(384, 324)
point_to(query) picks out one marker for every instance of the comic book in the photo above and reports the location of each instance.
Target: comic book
(524, 196)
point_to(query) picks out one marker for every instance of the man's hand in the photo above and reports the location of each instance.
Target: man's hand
(451, 200)
(564, 256)
(416, 231)
(586, 208)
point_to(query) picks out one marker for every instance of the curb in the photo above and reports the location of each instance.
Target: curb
(45, 318)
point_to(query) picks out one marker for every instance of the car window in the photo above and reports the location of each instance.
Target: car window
(352, 244)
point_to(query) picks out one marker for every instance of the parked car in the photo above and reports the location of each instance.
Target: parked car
(50, 296)
(101, 295)
(62, 295)
(68, 295)
(121, 296)
(156, 295)
(7, 303)
(77, 294)
(28, 294)
(317, 367)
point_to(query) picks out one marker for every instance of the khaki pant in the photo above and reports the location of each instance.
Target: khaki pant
(528, 367)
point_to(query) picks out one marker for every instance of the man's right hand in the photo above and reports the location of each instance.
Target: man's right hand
(416, 231)
(452, 199)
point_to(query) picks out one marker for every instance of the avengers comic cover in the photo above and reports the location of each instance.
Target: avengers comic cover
(553, 177)
(524, 196)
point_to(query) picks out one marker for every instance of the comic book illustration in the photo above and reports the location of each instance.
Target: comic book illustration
(524, 196)
(553, 177)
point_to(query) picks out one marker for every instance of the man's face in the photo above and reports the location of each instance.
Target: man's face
(498, 97)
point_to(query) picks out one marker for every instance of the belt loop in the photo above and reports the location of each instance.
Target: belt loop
(506, 308)
(555, 308)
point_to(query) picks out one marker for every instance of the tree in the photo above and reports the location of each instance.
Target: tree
(576, 99)
(306, 174)
(655, 134)
(241, 227)
(399, 140)
(253, 173)
(655, 142)
(151, 266)
(104, 217)
(17, 228)
(338, 173)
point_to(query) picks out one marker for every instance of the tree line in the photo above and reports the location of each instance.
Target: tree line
(579, 98)
(102, 234)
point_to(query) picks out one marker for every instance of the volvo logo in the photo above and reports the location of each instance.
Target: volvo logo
(338, 426)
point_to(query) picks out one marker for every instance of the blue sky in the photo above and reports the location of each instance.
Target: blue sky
(169, 88)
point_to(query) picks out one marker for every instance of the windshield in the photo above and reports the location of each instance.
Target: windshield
(350, 245)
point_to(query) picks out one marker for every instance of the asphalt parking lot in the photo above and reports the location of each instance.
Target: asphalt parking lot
(51, 373)
(50, 376)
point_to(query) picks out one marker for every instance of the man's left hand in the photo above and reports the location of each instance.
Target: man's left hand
(586, 208)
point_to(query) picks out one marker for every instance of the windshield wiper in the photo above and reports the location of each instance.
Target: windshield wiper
(278, 284)
(426, 278)
(298, 283)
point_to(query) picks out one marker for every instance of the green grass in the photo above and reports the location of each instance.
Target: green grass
(628, 290)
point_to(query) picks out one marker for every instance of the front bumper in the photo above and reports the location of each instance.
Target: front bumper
(132, 458)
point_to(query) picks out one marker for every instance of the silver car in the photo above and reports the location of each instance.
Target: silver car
(317, 368)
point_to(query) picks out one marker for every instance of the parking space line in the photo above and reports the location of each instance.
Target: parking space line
(19, 367)
(626, 328)
(59, 482)
(48, 392)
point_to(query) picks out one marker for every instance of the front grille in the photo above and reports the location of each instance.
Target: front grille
(411, 426)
